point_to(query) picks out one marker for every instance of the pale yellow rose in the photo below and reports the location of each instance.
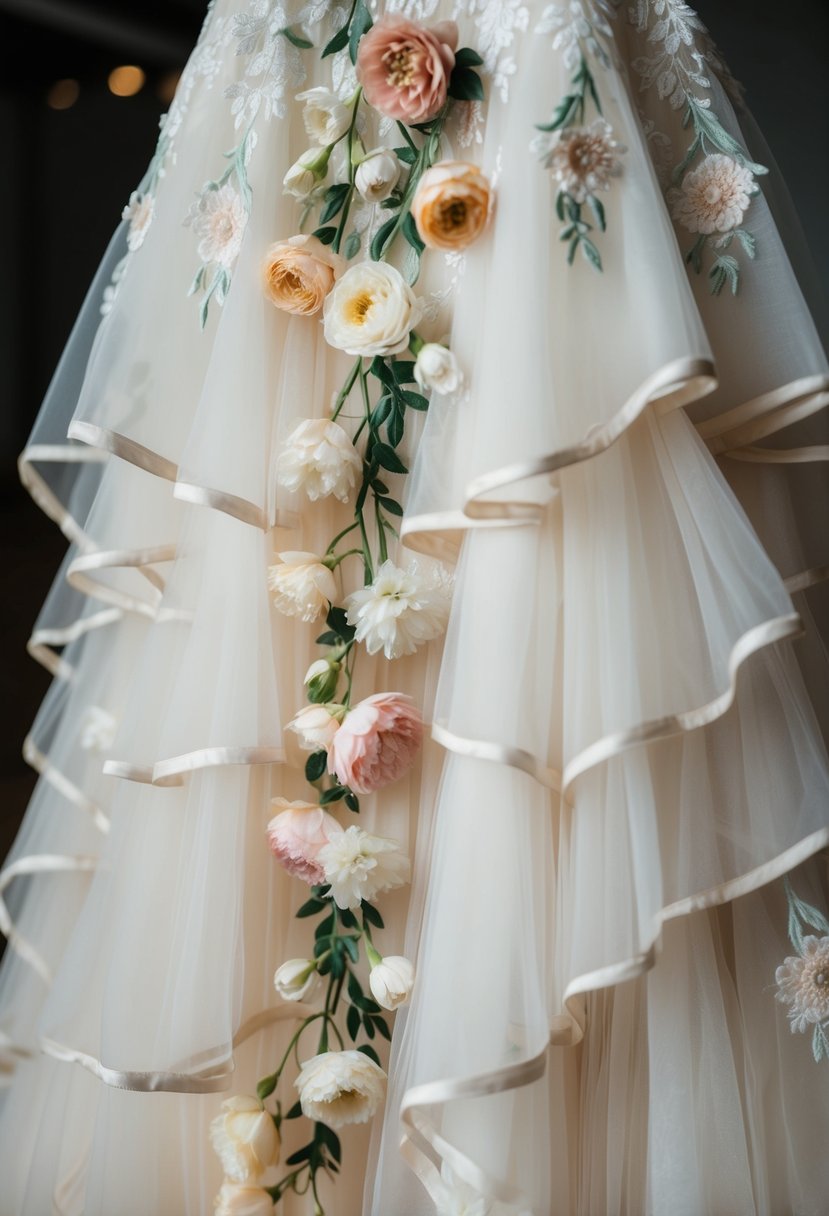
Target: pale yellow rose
(298, 274)
(451, 205)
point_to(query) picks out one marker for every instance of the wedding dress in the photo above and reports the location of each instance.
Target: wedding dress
(618, 819)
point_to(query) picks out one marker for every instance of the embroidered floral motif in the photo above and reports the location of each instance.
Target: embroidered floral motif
(497, 23)
(572, 28)
(803, 979)
(713, 198)
(264, 36)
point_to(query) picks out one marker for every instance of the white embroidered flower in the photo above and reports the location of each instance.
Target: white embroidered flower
(340, 1087)
(377, 175)
(297, 980)
(582, 159)
(715, 196)
(320, 459)
(437, 368)
(326, 118)
(219, 218)
(304, 174)
(315, 726)
(401, 609)
(458, 1198)
(245, 1138)
(360, 866)
(139, 212)
(803, 983)
(235, 1199)
(371, 310)
(98, 728)
(571, 26)
(391, 981)
(302, 585)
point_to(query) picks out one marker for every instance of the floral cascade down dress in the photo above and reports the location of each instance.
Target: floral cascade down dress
(433, 801)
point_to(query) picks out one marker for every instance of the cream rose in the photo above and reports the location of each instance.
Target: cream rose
(371, 310)
(245, 1138)
(340, 1087)
(377, 175)
(391, 981)
(239, 1200)
(297, 979)
(315, 726)
(326, 118)
(437, 368)
(451, 205)
(298, 274)
(302, 585)
(319, 458)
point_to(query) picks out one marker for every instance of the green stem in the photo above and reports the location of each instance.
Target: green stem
(346, 389)
(368, 566)
(352, 169)
(339, 537)
(342, 556)
(381, 529)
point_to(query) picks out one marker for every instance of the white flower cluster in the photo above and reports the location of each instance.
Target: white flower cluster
(401, 609)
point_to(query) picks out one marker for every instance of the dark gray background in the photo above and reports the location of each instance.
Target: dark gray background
(66, 176)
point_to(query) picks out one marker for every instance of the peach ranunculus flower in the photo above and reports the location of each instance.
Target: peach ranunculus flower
(296, 835)
(451, 205)
(298, 274)
(377, 742)
(404, 68)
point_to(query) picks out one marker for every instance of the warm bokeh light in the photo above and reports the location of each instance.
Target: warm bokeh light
(166, 89)
(63, 94)
(126, 81)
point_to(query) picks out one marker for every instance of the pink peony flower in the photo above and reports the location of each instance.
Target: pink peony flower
(376, 743)
(404, 69)
(296, 836)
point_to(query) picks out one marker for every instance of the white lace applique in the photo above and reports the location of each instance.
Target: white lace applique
(661, 148)
(573, 26)
(497, 23)
(415, 10)
(803, 978)
(710, 199)
(275, 69)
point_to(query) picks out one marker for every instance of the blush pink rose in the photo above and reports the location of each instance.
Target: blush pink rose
(296, 836)
(376, 743)
(404, 69)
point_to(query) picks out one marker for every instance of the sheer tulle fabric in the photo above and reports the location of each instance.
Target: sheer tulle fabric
(625, 755)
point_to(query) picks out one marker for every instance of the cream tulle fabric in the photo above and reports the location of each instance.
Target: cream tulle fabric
(627, 712)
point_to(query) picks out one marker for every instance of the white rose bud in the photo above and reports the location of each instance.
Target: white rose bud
(245, 1138)
(326, 118)
(377, 175)
(304, 175)
(316, 726)
(297, 979)
(321, 679)
(302, 585)
(437, 368)
(236, 1200)
(391, 981)
(340, 1087)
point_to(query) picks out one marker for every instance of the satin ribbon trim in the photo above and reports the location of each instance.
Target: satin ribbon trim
(497, 753)
(40, 644)
(43, 496)
(170, 772)
(230, 504)
(38, 863)
(43, 765)
(736, 427)
(805, 579)
(781, 455)
(142, 560)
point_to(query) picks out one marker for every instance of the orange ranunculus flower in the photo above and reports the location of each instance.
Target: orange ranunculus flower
(298, 274)
(451, 205)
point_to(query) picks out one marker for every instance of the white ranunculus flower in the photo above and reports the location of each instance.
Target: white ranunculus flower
(319, 458)
(245, 1138)
(238, 1200)
(377, 175)
(315, 726)
(326, 118)
(302, 585)
(306, 172)
(401, 609)
(391, 981)
(297, 979)
(359, 866)
(340, 1087)
(437, 368)
(370, 310)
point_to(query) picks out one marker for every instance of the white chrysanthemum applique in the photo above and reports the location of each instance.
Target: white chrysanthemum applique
(401, 609)
(219, 218)
(803, 978)
(715, 196)
(584, 159)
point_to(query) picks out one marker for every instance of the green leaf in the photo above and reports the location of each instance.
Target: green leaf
(338, 621)
(336, 43)
(415, 401)
(337, 963)
(352, 949)
(382, 371)
(467, 58)
(348, 919)
(381, 411)
(395, 426)
(335, 794)
(597, 207)
(370, 1052)
(334, 197)
(387, 458)
(591, 253)
(382, 1026)
(353, 1021)
(361, 23)
(302, 1154)
(266, 1086)
(295, 1111)
(311, 907)
(406, 154)
(326, 235)
(352, 802)
(325, 964)
(373, 917)
(352, 245)
(325, 928)
(315, 766)
(403, 371)
(368, 1025)
(466, 85)
(390, 505)
(329, 638)
(355, 990)
(380, 237)
(560, 197)
(327, 1136)
(411, 233)
(748, 242)
(296, 39)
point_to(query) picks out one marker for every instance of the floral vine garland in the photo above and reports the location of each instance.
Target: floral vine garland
(583, 158)
(410, 75)
(803, 979)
